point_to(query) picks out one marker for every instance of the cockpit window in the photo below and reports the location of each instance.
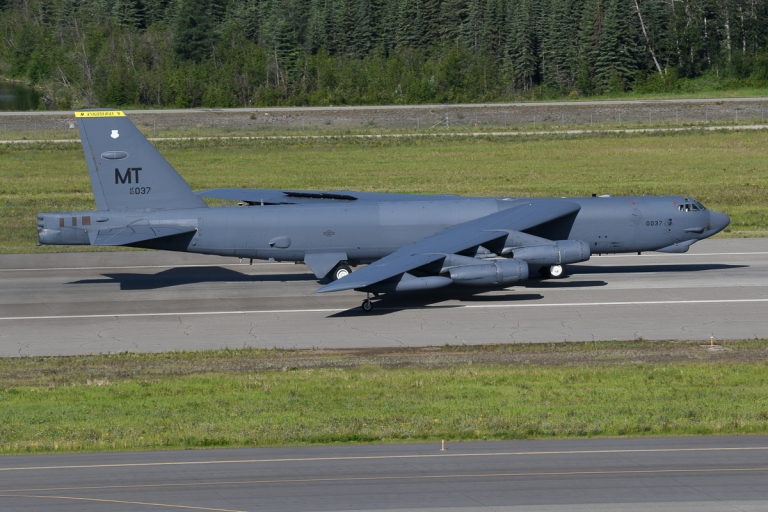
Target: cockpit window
(693, 206)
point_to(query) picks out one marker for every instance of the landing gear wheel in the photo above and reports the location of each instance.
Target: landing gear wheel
(556, 271)
(341, 270)
(367, 305)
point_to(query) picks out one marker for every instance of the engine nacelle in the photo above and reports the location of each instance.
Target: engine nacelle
(561, 252)
(496, 272)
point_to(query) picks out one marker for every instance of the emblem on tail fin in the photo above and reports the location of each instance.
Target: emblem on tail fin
(130, 188)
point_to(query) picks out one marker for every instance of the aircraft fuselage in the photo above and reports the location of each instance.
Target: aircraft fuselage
(366, 231)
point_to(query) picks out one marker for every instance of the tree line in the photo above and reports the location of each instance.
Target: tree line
(227, 53)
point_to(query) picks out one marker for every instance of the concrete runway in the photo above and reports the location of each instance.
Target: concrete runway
(148, 301)
(699, 474)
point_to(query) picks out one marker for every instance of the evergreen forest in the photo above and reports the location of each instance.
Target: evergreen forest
(230, 53)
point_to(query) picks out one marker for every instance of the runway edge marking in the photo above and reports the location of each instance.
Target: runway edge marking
(332, 310)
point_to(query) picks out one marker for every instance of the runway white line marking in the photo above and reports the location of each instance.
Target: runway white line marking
(385, 457)
(76, 498)
(145, 266)
(331, 310)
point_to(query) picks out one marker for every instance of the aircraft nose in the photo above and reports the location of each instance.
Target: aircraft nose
(718, 221)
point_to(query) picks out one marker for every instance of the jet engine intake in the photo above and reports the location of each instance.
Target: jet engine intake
(561, 252)
(497, 272)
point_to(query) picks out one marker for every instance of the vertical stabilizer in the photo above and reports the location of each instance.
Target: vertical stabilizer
(127, 172)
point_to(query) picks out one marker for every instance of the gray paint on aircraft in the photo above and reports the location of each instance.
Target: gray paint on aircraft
(143, 202)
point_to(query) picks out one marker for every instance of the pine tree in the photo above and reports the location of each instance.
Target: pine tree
(316, 34)
(590, 30)
(242, 16)
(616, 63)
(157, 11)
(283, 54)
(194, 27)
(521, 44)
(559, 46)
(431, 17)
(362, 31)
(472, 29)
(453, 16)
(128, 13)
(67, 11)
(410, 25)
(493, 28)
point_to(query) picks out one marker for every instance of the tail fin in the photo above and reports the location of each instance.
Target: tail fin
(127, 172)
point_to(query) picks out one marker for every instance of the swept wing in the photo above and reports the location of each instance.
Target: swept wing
(491, 230)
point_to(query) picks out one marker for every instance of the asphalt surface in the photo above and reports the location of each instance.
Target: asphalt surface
(82, 303)
(671, 474)
(441, 106)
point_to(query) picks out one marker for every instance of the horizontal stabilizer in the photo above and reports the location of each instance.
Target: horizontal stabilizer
(136, 233)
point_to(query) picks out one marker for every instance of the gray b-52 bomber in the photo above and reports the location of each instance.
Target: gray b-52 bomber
(410, 242)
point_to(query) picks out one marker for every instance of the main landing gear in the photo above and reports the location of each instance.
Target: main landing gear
(556, 271)
(552, 272)
(341, 270)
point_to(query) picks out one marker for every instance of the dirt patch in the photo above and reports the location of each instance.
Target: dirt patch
(454, 118)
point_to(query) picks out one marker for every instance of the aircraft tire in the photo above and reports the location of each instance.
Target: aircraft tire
(341, 270)
(556, 271)
(367, 305)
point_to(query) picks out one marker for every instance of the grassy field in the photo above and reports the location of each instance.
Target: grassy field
(230, 398)
(726, 171)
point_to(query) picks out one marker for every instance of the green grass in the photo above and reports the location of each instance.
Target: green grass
(219, 398)
(726, 171)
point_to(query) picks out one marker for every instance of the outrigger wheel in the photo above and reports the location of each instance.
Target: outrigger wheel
(367, 304)
(341, 270)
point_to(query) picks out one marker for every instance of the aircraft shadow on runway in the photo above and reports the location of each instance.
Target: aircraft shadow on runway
(190, 275)
(391, 304)
(386, 305)
(195, 275)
